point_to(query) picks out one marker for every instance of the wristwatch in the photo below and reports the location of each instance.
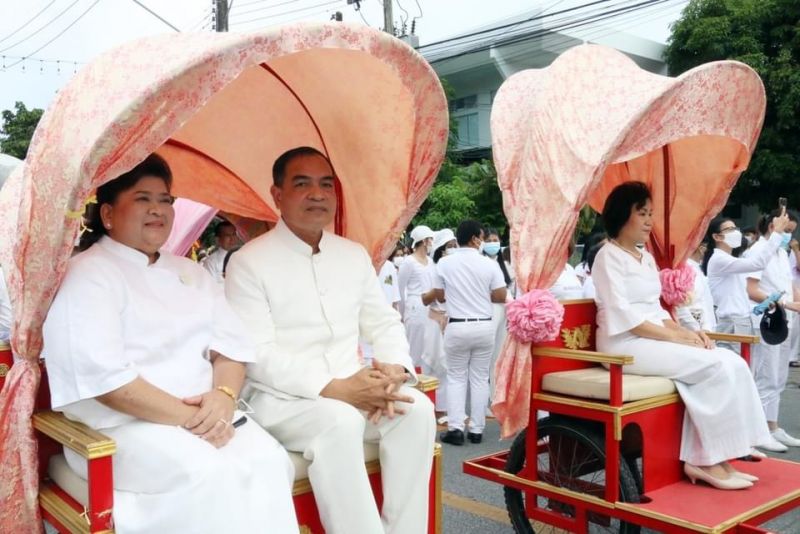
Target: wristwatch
(229, 392)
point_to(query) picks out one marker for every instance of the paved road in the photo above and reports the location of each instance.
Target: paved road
(474, 506)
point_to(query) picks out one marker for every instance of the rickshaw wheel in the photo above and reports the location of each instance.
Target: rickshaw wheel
(574, 459)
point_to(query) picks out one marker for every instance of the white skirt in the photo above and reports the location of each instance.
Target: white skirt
(724, 419)
(166, 479)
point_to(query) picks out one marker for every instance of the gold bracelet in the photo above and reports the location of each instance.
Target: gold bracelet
(229, 392)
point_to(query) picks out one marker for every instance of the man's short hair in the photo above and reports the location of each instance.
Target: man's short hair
(467, 230)
(221, 226)
(279, 167)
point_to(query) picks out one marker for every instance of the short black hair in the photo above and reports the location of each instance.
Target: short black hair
(765, 220)
(279, 167)
(621, 202)
(467, 230)
(221, 226)
(153, 165)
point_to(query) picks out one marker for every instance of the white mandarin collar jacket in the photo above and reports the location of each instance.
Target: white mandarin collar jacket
(306, 311)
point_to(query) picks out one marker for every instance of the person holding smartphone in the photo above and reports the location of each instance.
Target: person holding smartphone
(770, 363)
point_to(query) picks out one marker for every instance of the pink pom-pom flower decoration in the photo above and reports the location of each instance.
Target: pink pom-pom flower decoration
(676, 284)
(535, 317)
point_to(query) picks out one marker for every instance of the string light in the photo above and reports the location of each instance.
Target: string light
(44, 63)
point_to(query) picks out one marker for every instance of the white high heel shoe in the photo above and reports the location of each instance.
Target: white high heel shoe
(734, 473)
(731, 483)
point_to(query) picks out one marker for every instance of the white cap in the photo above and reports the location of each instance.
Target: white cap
(442, 237)
(420, 233)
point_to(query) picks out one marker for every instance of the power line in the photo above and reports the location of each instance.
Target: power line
(544, 31)
(28, 21)
(48, 23)
(323, 4)
(273, 6)
(156, 15)
(461, 43)
(62, 32)
(570, 41)
(517, 23)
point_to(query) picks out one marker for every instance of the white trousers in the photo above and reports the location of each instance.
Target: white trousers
(415, 319)
(468, 347)
(331, 434)
(723, 418)
(770, 366)
(434, 361)
(166, 479)
(734, 325)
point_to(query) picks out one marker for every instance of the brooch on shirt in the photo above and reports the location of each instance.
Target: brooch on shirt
(185, 279)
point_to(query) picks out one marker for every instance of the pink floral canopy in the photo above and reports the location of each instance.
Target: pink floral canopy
(566, 135)
(220, 108)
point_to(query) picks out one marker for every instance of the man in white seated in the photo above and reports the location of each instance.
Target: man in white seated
(225, 234)
(306, 296)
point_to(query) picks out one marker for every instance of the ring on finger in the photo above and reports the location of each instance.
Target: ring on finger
(224, 422)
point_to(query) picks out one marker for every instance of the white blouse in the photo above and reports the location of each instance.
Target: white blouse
(698, 313)
(116, 318)
(415, 278)
(568, 286)
(776, 275)
(628, 291)
(726, 276)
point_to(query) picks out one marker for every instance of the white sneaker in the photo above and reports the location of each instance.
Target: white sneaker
(774, 446)
(755, 453)
(781, 436)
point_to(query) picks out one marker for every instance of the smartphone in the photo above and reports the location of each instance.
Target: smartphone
(782, 203)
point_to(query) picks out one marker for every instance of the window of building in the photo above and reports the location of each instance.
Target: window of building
(468, 130)
(466, 102)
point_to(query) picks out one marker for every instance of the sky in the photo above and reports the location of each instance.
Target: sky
(67, 34)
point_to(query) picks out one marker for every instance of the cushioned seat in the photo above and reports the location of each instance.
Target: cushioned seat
(593, 383)
(77, 488)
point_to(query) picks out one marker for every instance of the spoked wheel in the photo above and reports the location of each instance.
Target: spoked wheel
(574, 459)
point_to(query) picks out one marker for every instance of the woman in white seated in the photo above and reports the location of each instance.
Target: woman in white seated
(142, 346)
(723, 418)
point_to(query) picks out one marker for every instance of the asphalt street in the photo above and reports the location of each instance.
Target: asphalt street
(472, 505)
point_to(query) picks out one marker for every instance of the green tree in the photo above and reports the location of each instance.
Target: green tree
(765, 34)
(17, 130)
(462, 191)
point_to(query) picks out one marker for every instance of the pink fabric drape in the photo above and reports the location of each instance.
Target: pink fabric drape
(191, 218)
(19, 475)
(566, 135)
(386, 136)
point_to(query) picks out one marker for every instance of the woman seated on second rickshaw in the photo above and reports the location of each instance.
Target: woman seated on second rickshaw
(141, 345)
(724, 419)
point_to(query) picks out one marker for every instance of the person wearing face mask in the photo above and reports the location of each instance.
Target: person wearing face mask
(468, 283)
(416, 278)
(491, 249)
(726, 273)
(770, 363)
(434, 361)
(398, 256)
(750, 236)
(698, 312)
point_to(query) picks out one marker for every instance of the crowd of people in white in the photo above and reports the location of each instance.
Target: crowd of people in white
(156, 352)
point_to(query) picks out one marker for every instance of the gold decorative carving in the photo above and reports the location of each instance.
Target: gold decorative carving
(305, 530)
(578, 337)
(3, 370)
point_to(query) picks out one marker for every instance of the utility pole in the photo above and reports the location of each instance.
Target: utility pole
(221, 13)
(388, 20)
